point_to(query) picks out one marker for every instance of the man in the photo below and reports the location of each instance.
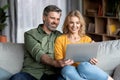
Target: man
(39, 61)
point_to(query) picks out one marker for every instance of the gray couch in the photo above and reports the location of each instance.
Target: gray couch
(12, 57)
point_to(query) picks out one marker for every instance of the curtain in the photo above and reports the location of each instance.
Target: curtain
(12, 25)
(74, 5)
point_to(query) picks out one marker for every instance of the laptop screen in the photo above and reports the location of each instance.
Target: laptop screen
(82, 52)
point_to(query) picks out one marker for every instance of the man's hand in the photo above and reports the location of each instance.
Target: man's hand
(62, 63)
(45, 59)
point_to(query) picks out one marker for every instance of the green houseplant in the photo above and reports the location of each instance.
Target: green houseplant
(3, 17)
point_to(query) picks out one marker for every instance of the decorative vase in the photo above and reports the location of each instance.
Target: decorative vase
(112, 29)
(3, 38)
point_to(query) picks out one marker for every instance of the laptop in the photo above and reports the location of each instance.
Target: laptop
(82, 52)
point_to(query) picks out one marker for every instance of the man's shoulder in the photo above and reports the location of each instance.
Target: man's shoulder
(32, 30)
(57, 32)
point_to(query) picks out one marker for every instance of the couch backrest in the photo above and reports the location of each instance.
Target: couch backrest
(11, 57)
(109, 55)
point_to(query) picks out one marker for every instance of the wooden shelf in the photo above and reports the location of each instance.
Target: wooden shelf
(100, 25)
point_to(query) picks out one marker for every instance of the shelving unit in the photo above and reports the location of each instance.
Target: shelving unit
(100, 20)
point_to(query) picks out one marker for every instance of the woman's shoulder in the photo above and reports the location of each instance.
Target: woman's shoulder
(86, 38)
(63, 36)
(61, 39)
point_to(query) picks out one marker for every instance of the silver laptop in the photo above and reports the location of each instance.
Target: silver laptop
(82, 52)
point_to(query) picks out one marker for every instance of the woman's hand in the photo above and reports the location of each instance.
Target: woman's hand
(69, 62)
(93, 61)
(92, 41)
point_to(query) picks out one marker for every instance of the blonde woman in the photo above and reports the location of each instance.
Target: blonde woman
(74, 33)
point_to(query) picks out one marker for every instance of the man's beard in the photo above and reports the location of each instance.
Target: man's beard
(52, 28)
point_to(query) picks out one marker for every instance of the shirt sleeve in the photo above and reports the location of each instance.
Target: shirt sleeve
(33, 47)
(58, 49)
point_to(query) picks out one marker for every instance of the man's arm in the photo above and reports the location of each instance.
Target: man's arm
(55, 63)
(33, 46)
(45, 59)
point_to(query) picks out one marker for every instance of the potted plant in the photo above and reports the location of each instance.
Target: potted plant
(3, 17)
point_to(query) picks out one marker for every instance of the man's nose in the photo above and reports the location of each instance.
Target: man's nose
(56, 21)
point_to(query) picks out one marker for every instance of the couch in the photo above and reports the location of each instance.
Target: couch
(12, 57)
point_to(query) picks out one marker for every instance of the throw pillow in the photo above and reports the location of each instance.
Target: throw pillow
(109, 55)
(4, 75)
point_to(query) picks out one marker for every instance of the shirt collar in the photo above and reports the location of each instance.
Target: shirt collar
(40, 29)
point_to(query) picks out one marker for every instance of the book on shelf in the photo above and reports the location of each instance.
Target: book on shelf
(91, 27)
(91, 12)
(100, 11)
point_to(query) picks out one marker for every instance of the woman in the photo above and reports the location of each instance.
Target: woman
(74, 33)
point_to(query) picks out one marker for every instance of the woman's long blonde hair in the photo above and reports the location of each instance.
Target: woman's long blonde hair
(81, 19)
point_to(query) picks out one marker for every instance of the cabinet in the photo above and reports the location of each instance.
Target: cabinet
(102, 20)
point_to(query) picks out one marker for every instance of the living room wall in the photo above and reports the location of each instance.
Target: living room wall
(26, 16)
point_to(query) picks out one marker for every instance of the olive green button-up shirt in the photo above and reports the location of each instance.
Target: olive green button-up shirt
(37, 43)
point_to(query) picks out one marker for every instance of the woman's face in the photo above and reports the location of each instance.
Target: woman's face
(74, 25)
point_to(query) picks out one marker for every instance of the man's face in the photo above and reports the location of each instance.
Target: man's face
(52, 20)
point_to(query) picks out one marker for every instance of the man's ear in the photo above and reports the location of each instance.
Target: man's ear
(43, 18)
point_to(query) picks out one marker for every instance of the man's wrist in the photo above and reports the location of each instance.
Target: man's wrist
(54, 63)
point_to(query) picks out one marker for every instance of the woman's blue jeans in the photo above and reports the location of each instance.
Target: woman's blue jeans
(84, 71)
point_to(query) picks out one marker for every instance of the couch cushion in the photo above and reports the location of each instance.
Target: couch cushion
(109, 55)
(11, 57)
